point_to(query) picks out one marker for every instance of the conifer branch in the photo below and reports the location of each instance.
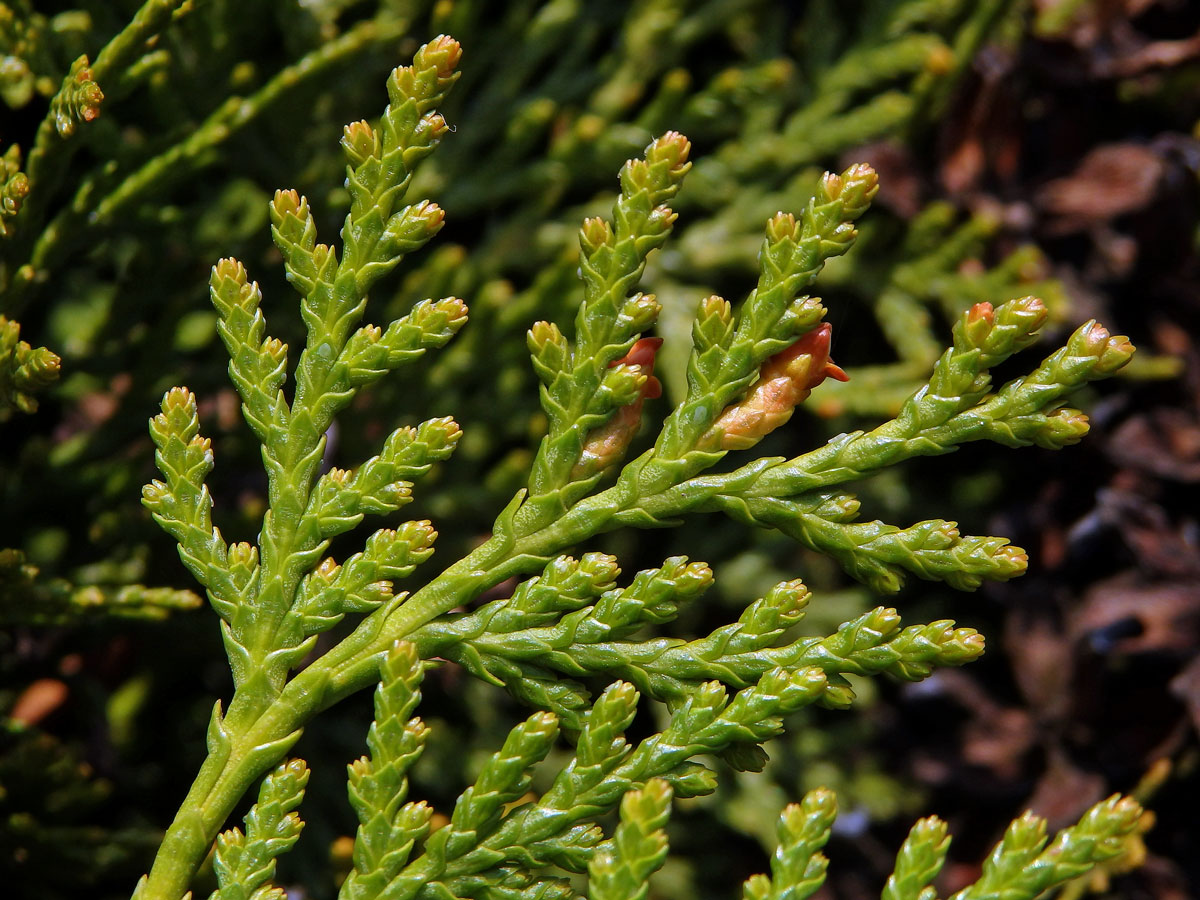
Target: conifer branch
(182, 505)
(275, 597)
(751, 365)
(920, 859)
(382, 484)
(509, 847)
(378, 784)
(14, 188)
(586, 381)
(620, 870)
(730, 347)
(798, 866)
(24, 370)
(267, 627)
(28, 597)
(557, 829)
(538, 662)
(95, 206)
(245, 863)
(77, 101)
(1022, 866)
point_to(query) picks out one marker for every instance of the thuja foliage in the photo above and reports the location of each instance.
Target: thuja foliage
(521, 614)
(24, 370)
(107, 108)
(167, 124)
(142, 140)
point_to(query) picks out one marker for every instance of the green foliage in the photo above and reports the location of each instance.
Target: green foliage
(638, 847)
(23, 370)
(1023, 866)
(14, 185)
(245, 863)
(920, 859)
(570, 621)
(389, 827)
(1019, 867)
(938, 265)
(302, 631)
(798, 867)
(504, 642)
(113, 229)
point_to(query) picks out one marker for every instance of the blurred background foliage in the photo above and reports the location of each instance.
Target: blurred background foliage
(1044, 148)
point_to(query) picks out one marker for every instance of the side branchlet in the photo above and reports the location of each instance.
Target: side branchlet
(275, 597)
(31, 597)
(726, 692)
(245, 862)
(593, 387)
(24, 370)
(378, 784)
(919, 861)
(538, 653)
(731, 346)
(78, 100)
(619, 869)
(798, 866)
(1026, 863)
(14, 187)
(1021, 867)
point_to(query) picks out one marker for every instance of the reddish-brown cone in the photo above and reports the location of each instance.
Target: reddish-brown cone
(784, 382)
(607, 444)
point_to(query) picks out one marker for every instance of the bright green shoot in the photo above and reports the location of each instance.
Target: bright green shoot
(569, 619)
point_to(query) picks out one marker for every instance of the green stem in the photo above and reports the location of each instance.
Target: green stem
(354, 664)
(228, 772)
(188, 839)
(224, 777)
(347, 668)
